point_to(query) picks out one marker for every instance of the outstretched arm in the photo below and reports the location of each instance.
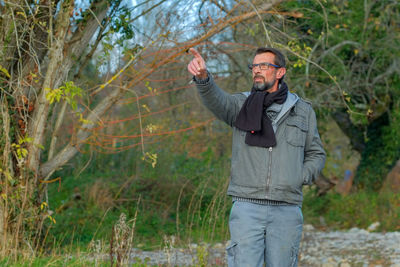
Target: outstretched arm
(223, 105)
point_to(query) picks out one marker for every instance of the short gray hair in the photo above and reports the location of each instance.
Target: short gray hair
(279, 57)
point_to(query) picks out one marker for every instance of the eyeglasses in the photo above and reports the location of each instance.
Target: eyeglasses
(262, 66)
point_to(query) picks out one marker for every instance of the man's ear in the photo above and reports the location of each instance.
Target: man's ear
(280, 73)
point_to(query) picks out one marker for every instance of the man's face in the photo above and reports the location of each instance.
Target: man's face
(264, 79)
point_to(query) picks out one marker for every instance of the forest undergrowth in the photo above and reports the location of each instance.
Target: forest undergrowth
(180, 202)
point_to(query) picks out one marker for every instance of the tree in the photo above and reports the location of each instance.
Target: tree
(45, 48)
(44, 45)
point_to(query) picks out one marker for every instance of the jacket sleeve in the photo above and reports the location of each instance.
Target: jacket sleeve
(314, 154)
(223, 105)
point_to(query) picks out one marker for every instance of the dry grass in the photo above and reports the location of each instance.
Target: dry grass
(100, 195)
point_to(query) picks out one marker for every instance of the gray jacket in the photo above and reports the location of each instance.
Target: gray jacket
(276, 173)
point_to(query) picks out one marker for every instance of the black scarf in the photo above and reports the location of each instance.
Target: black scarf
(253, 119)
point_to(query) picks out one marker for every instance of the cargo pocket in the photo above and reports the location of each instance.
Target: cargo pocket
(231, 252)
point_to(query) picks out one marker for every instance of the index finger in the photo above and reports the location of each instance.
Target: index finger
(195, 53)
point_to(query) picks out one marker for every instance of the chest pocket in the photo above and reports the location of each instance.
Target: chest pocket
(296, 130)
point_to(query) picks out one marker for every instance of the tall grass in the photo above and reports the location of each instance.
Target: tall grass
(183, 197)
(181, 201)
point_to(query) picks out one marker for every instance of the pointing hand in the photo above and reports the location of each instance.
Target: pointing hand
(197, 66)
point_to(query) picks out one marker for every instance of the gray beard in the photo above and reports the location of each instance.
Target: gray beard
(263, 86)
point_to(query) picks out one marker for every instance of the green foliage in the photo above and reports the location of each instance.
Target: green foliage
(121, 24)
(302, 52)
(180, 192)
(88, 206)
(67, 92)
(55, 260)
(21, 151)
(382, 150)
(4, 71)
(352, 44)
(202, 255)
(359, 209)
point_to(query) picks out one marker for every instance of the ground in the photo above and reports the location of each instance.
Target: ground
(354, 247)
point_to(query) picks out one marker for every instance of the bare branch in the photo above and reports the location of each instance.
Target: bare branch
(72, 148)
(54, 136)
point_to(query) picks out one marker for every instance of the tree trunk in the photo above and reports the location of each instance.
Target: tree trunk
(378, 153)
(57, 71)
(72, 148)
(37, 125)
(5, 171)
(353, 132)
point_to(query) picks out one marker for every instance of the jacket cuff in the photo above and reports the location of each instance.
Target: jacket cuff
(202, 81)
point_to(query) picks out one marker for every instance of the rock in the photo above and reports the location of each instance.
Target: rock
(344, 264)
(322, 221)
(219, 245)
(373, 226)
(330, 262)
(358, 231)
(193, 246)
(308, 227)
(205, 245)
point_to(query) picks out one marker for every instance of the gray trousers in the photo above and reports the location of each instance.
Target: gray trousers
(261, 234)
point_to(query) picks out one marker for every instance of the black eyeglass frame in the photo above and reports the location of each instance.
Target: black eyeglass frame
(252, 66)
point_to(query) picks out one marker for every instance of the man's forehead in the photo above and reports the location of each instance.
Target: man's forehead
(264, 57)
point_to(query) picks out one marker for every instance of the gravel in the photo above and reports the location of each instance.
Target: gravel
(355, 247)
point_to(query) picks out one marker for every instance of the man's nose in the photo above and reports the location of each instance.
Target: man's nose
(256, 71)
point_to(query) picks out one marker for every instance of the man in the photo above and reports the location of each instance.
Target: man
(276, 149)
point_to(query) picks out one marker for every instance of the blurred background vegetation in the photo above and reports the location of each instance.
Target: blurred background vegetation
(339, 57)
(159, 157)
